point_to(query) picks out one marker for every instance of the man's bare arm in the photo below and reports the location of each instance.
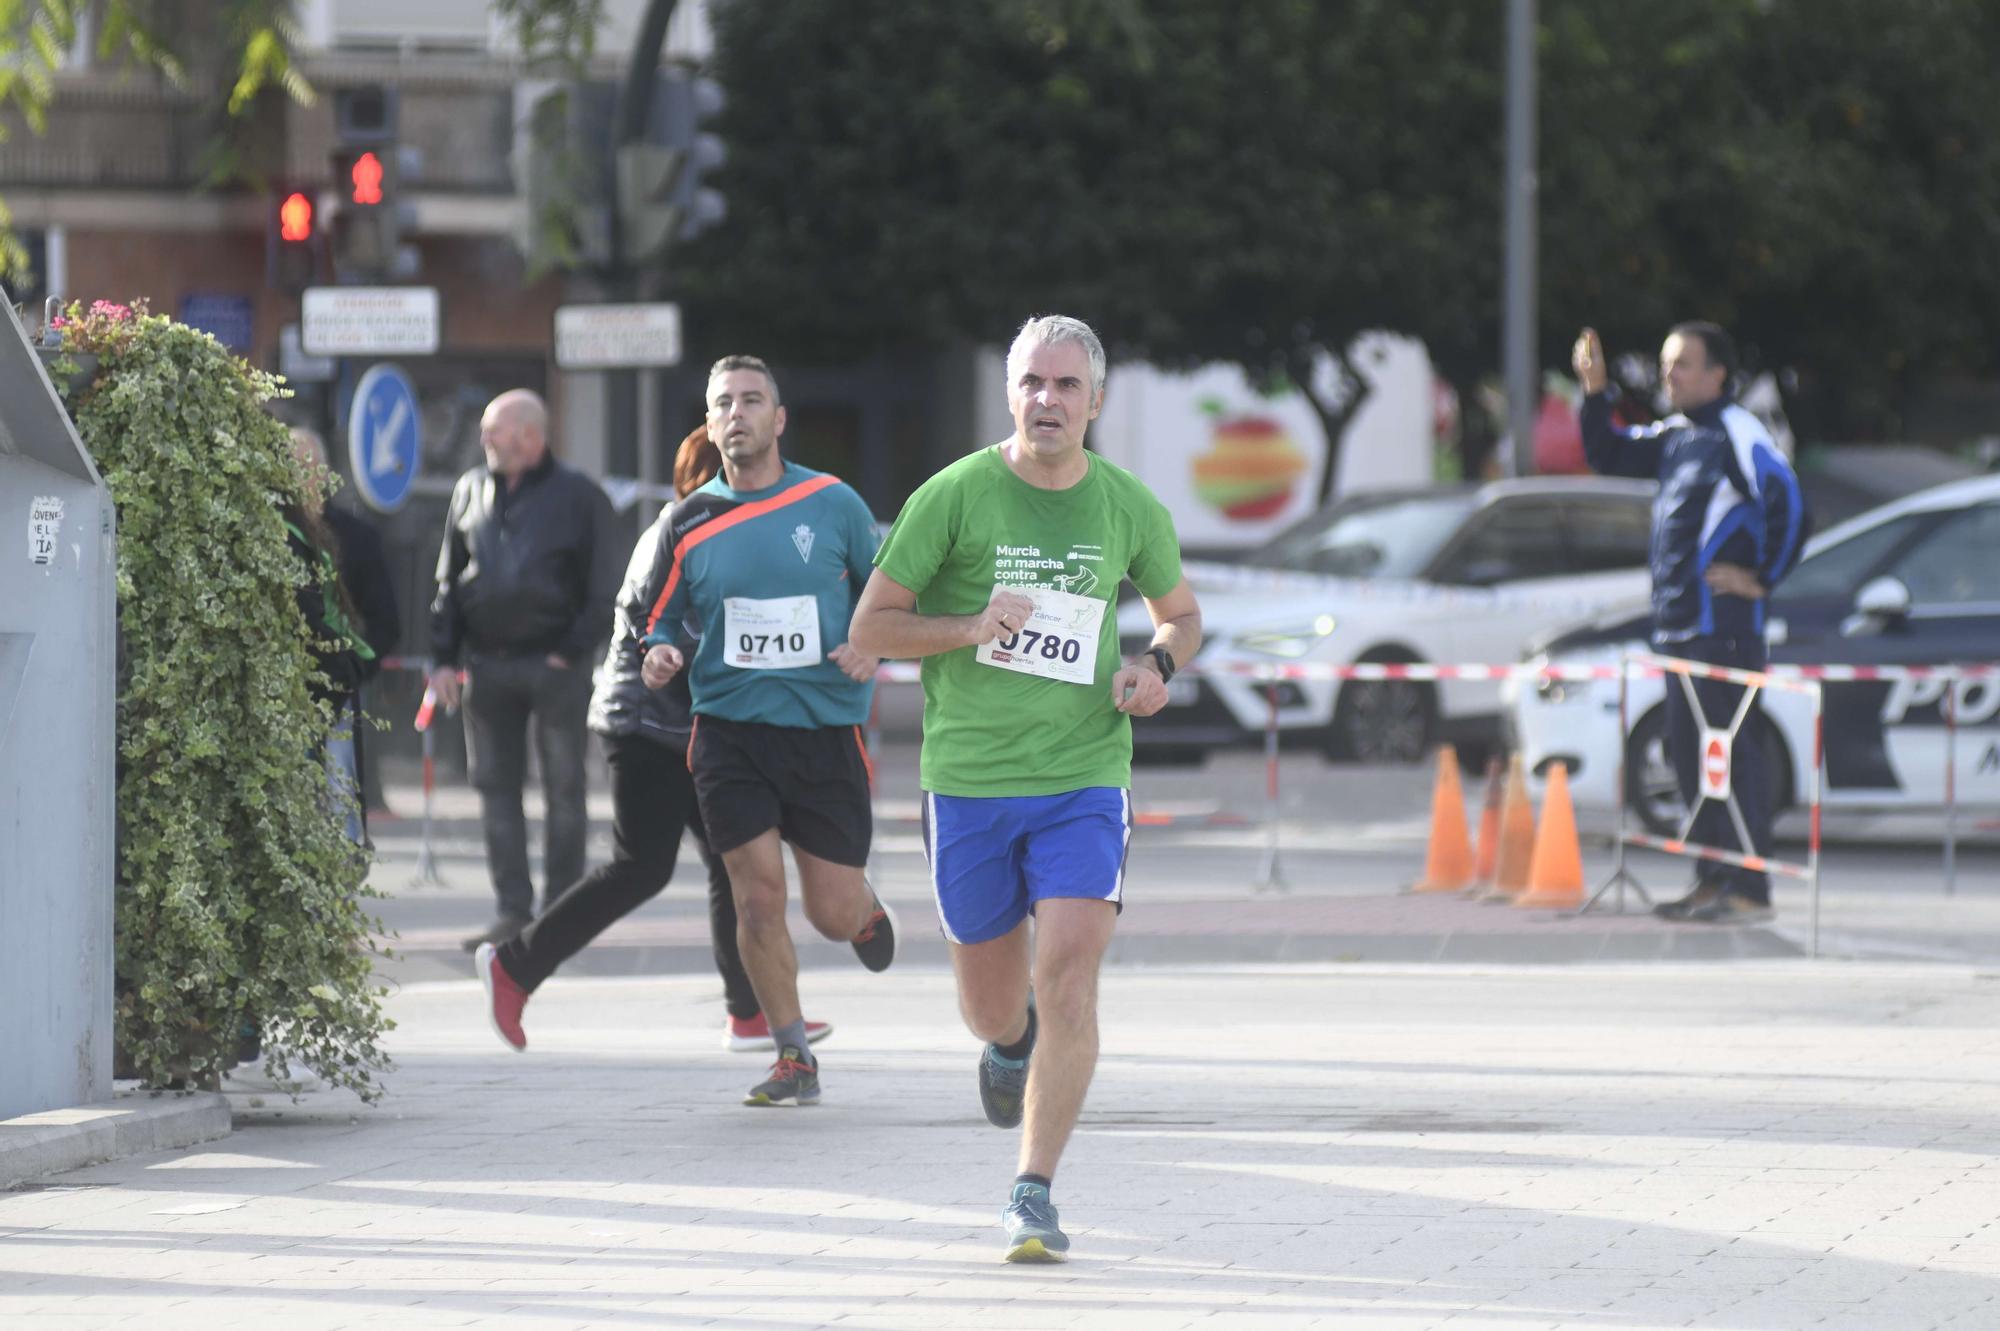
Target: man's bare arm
(886, 623)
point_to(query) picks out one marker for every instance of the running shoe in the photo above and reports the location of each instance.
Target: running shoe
(876, 943)
(504, 998)
(1003, 1087)
(750, 1035)
(792, 1079)
(1032, 1232)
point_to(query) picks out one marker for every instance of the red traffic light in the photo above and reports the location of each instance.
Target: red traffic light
(366, 178)
(295, 218)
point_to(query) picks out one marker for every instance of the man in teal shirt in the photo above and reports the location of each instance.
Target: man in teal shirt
(764, 562)
(1000, 573)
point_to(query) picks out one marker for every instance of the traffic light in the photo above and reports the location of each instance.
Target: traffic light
(663, 197)
(292, 245)
(368, 224)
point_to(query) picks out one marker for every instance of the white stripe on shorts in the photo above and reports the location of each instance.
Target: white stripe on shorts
(1124, 846)
(931, 859)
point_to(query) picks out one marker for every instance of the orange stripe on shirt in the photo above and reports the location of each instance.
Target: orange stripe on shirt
(734, 518)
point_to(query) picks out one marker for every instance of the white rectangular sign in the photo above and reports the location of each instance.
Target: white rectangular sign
(616, 337)
(369, 321)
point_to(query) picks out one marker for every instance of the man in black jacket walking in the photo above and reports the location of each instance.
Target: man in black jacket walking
(526, 579)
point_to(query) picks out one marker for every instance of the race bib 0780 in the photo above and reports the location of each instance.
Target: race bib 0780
(781, 633)
(1058, 642)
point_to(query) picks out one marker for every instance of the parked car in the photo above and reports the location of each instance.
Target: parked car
(1914, 582)
(1442, 575)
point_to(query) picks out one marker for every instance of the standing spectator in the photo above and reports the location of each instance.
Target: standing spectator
(364, 575)
(1727, 526)
(525, 583)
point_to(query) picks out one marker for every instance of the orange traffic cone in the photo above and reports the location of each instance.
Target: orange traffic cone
(1486, 853)
(1448, 866)
(1517, 836)
(1555, 875)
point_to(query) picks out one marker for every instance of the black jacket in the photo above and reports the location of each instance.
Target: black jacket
(525, 573)
(364, 571)
(620, 702)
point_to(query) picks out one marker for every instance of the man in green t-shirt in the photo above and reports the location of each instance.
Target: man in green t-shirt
(1000, 573)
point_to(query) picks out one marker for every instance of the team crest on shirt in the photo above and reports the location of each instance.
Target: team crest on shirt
(802, 538)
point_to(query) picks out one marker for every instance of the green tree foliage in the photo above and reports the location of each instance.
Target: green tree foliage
(239, 896)
(1260, 182)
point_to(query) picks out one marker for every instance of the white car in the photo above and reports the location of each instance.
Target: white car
(1914, 582)
(1451, 575)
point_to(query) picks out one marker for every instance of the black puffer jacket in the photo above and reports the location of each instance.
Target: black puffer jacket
(525, 573)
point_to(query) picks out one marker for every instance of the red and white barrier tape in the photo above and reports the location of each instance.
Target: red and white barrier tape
(910, 672)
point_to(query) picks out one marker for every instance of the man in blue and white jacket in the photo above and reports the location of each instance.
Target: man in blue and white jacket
(1727, 526)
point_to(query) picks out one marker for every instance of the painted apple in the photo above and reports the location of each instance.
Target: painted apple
(1250, 468)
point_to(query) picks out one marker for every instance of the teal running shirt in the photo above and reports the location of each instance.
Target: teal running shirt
(769, 578)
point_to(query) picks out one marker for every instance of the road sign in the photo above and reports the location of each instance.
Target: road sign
(223, 315)
(370, 321)
(384, 437)
(618, 337)
(1715, 765)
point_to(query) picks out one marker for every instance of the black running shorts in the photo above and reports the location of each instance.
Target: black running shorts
(810, 784)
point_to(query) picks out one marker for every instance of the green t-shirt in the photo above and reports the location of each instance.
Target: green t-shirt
(989, 731)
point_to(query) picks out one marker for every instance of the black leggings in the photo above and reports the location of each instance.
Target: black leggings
(652, 800)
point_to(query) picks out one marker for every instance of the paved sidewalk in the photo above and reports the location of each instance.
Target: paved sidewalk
(1759, 1145)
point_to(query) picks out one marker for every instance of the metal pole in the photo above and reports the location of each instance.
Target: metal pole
(1812, 844)
(1519, 186)
(1273, 875)
(427, 870)
(1619, 873)
(1951, 785)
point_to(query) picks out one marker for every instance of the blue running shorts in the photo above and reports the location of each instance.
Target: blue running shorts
(993, 859)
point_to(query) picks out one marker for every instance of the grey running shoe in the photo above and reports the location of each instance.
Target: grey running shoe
(1032, 1232)
(793, 1080)
(876, 943)
(1729, 908)
(1003, 1082)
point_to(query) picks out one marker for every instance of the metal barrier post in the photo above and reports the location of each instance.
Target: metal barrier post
(1272, 876)
(873, 742)
(1620, 874)
(1812, 844)
(427, 869)
(1951, 785)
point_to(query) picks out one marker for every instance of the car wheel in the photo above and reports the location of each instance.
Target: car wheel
(1383, 721)
(1650, 788)
(1655, 796)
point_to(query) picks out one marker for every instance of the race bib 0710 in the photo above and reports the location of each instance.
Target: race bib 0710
(781, 633)
(1058, 642)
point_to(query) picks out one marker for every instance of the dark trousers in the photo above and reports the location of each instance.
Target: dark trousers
(502, 696)
(652, 800)
(1748, 780)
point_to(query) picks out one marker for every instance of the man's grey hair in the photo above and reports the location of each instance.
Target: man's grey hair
(1048, 330)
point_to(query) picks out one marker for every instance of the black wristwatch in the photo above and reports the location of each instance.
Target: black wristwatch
(1162, 660)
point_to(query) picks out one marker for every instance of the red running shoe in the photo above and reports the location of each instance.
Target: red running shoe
(748, 1035)
(504, 998)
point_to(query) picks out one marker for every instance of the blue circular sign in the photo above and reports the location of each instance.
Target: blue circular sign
(384, 437)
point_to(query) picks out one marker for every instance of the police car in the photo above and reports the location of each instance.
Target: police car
(1912, 583)
(1466, 573)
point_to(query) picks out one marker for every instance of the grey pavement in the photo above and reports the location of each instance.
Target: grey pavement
(1350, 839)
(1759, 1145)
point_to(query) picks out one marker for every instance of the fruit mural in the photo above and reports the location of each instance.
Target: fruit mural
(1251, 465)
